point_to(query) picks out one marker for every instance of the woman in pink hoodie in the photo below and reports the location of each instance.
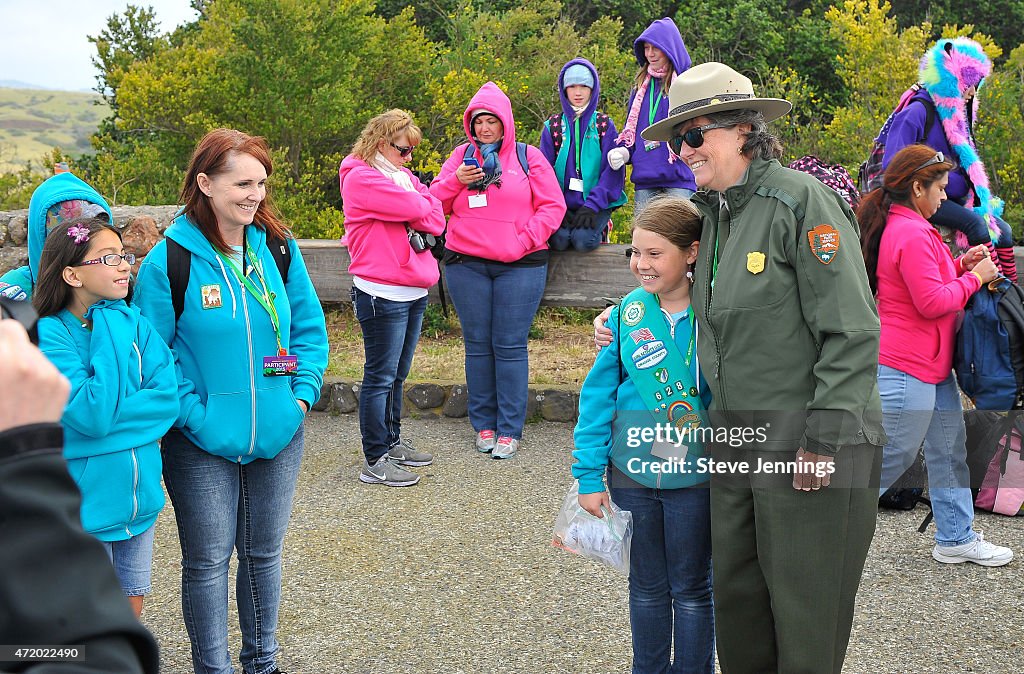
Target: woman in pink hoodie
(388, 213)
(920, 289)
(505, 202)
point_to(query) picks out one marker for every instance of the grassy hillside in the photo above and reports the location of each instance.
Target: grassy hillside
(33, 121)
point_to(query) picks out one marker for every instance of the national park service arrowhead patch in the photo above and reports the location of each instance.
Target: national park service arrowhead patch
(824, 242)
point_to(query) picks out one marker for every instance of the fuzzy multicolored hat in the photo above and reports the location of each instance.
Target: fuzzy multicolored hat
(947, 71)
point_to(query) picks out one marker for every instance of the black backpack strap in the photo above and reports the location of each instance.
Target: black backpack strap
(602, 124)
(179, 267)
(282, 256)
(557, 133)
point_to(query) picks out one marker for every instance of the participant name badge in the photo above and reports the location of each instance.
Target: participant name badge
(280, 366)
(824, 242)
(633, 313)
(575, 184)
(211, 296)
(755, 262)
(477, 200)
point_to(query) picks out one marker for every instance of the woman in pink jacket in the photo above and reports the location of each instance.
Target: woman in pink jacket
(920, 289)
(504, 201)
(388, 212)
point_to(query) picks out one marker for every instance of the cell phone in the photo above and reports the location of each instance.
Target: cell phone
(471, 161)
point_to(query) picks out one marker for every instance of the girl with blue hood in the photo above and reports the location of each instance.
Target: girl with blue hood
(123, 391)
(576, 141)
(656, 170)
(56, 201)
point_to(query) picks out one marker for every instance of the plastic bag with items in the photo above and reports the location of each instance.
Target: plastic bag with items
(604, 539)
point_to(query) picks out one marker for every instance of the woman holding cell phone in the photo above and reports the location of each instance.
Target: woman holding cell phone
(504, 201)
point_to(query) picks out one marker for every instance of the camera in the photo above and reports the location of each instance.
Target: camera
(23, 312)
(417, 241)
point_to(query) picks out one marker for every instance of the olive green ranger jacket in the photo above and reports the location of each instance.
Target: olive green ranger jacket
(788, 327)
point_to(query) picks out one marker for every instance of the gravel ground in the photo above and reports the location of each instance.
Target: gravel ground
(457, 574)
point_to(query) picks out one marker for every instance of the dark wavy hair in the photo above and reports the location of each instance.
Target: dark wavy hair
(211, 157)
(897, 186)
(51, 293)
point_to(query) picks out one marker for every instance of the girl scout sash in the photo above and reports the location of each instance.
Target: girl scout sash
(654, 363)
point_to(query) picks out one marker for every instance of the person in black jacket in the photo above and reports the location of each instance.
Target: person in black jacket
(57, 586)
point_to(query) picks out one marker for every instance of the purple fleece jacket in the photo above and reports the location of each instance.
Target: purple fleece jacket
(908, 129)
(609, 185)
(651, 169)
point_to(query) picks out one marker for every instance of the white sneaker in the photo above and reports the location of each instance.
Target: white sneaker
(485, 441)
(978, 551)
(506, 448)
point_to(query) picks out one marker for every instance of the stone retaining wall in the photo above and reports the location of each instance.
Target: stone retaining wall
(434, 400)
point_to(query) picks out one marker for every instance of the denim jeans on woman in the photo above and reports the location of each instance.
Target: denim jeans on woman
(391, 331)
(222, 506)
(974, 227)
(913, 412)
(643, 197)
(496, 304)
(670, 601)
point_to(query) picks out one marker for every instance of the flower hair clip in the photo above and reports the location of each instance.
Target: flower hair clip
(79, 233)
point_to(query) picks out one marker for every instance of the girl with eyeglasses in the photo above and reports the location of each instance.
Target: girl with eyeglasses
(662, 57)
(124, 393)
(920, 290)
(388, 214)
(951, 74)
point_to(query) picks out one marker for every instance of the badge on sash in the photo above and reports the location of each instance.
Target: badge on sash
(576, 184)
(824, 242)
(477, 200)
(633, 313)
(211, 296)
(755, 262)
(280, 366)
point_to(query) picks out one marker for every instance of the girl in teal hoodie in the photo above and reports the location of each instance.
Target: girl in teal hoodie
(123, 391)
(649, 444)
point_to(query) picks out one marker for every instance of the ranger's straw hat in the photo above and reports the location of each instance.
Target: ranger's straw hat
(711, 87)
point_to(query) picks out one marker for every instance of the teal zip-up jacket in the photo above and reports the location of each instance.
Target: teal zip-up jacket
(610, 406)
(228, 407)
(17, 283)
(123, 399)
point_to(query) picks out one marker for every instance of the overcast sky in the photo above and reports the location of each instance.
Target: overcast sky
(43, 42)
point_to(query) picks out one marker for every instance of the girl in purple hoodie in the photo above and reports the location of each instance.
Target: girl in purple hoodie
(662, 57)
(576, 142)
(504, 203)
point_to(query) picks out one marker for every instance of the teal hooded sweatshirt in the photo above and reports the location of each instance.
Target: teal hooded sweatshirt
(17, 283)
(123, 399)
(229, 408)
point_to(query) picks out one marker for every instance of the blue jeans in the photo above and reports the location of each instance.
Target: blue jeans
(391, 331)
(133, 562)
(222, 506)
(914, 412)
(974, 227)
(670, 579)
(583, 239)
(496, 305)
(643, 197)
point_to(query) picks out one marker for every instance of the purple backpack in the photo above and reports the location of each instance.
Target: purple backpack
(833, 175)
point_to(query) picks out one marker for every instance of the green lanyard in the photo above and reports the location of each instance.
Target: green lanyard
(652, 111)
(693, 335)
(262, 294)
(579, 147)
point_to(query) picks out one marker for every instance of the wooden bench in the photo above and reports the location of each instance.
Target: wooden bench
(574, 279)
